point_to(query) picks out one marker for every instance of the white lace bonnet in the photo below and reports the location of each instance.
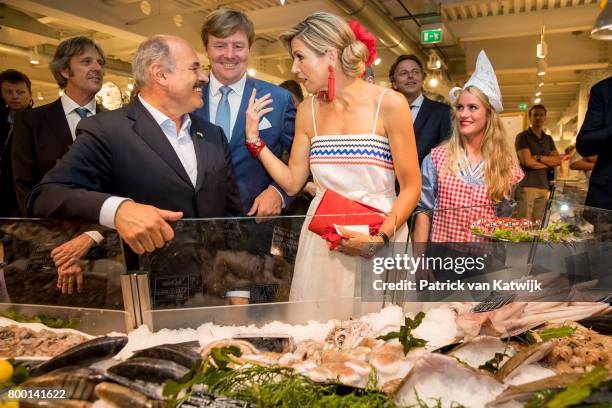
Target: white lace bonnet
(484, 79)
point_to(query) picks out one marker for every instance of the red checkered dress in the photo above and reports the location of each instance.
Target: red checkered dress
(468, 203)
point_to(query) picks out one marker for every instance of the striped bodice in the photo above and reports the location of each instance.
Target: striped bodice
(357, 166)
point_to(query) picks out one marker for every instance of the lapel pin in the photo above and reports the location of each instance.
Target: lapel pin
(200, 135)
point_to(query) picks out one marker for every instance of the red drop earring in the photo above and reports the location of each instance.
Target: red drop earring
(331, 86)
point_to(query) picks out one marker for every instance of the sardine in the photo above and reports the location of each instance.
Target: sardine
(83, 354)
(171, 352)
(524, 392)
(124, 397)
(528, 355)
(274, 343)
(149, 369)
(78, 384)
(200, 399)
(151, 390)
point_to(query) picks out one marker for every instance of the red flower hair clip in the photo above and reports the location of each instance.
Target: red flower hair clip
(365, 37)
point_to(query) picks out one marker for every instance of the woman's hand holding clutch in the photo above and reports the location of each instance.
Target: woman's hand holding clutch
(359, 244)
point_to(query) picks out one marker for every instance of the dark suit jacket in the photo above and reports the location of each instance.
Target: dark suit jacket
(40, 137)
(125, 153)
(431, 127)
(251, 175)
(8, 202)
(595, 138)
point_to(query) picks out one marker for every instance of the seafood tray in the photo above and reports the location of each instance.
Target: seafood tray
(523, 230)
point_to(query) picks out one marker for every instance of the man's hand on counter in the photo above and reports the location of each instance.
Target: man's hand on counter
(65, 258)
(67, 276)
(144, 227)
(71, 251)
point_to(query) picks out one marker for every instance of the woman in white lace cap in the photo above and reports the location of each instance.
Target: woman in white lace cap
(475, 168)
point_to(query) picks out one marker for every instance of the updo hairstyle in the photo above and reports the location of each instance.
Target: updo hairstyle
(321, 31)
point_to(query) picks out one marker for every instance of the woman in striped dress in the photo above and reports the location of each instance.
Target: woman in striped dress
(356, 141)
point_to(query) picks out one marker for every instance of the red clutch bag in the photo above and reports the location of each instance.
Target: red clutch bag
(337, 209)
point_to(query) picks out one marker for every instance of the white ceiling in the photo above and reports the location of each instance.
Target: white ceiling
(508, 30)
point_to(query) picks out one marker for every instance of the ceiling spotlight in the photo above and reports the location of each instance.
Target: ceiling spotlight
(602, 30)
(542, 67)
(434, 62)
(60, 93)
(542, 48)
(377, 61)
(39, 95)
(34, 56)
(433, 81)
(282, 2)
(145, 7)
(251, 71)
(130, 86)
(178, 20)
(538, 93)
(537, 100)
(541, 83)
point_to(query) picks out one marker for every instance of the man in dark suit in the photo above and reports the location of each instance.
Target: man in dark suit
(431, 119)
(44, 134)
(227, 36)
(17, 95)
(150, 162)
(595, 138)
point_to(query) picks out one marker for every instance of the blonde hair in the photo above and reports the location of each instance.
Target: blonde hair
(321, 31)
(496, 152)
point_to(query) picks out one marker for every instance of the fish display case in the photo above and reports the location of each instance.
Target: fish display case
(569, 251)
(29, 278)
(570, 191)
(240, 271)
(217, 299)
(223, 270)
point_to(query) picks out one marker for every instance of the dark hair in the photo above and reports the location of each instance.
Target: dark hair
(401, 58)
(538, 106)
(66, 50)
(14, 76)
(294, 88)
(225, 22)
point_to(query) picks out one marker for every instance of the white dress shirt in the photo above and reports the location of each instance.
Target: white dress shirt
(72, 117)
(415, 107)
(182, 143)
(73, 120)
(234, 98)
